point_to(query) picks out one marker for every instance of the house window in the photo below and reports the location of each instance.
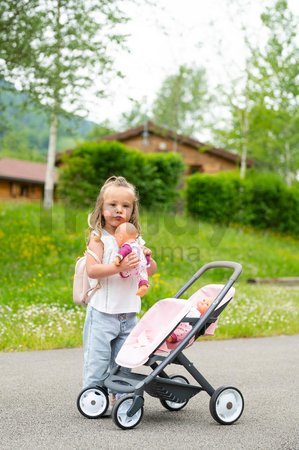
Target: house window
(24, 190)
(14, 190)
(162, 147)
(196, 168)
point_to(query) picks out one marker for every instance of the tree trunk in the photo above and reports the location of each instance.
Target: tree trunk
(288, 175)
(243, 165)
(175, 143)
(49, 183)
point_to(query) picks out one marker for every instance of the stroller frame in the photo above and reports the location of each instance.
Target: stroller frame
(174, 392)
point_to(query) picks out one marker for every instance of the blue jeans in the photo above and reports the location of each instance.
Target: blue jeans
(103, 337)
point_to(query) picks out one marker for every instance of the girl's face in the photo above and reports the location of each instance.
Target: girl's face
(117, 207)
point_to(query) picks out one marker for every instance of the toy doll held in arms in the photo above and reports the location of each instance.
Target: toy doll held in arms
(126, 236)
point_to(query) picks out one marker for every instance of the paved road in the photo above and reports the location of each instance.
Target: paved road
(38, 392)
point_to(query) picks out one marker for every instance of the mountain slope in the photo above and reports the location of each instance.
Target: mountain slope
(24, 129)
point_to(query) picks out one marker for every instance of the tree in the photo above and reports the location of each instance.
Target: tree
(264, 113)
(137, 115)
(182, 101)
(55, 50)
(274, 84)
(100, 130)
(237, 134)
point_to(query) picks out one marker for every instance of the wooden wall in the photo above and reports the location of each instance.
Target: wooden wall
(20, 190)
(195, 160)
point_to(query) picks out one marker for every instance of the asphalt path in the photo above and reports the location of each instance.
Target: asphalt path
(39, 390)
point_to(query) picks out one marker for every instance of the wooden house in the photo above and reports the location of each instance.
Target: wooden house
(21, 179)
(197, 156)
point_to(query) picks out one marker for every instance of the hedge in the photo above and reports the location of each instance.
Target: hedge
(85, 169)
(262, 200)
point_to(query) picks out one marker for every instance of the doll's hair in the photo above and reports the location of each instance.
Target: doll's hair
(127, 230)
(96, 220)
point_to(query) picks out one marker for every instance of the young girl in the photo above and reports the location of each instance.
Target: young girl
(111, 313)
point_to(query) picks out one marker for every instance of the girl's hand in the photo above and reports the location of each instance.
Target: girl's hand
(129, 262)
(152, 264)
(147, 251)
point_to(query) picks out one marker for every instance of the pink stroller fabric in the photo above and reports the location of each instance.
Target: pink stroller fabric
(159, 321)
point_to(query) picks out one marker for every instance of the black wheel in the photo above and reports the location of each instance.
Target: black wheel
(93, 402)
(119, 413)
(226, 405)
(173, 406)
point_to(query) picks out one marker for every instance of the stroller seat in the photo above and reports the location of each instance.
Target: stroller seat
(150, 333)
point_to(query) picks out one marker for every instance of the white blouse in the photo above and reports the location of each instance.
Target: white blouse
(117, 295)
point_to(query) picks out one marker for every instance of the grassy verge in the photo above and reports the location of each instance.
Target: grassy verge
(38, 250)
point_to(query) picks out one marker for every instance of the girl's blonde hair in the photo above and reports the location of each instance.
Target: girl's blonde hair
(96, 220)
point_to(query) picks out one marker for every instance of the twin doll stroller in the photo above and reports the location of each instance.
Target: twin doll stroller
(149, 345)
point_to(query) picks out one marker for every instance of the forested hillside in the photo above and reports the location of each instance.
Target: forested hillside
(24, 127)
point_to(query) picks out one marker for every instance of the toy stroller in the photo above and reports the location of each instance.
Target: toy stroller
(148, 345)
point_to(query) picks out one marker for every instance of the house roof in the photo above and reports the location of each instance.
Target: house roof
(15, 169)
(181, 139)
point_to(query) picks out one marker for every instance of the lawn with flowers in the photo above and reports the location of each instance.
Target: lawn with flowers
(38, 250)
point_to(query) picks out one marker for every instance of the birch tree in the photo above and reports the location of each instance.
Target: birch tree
(274, 84)
(264, 113)
(182, 101)
(56, 50)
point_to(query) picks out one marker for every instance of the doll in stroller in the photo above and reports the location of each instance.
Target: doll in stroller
(150, 344)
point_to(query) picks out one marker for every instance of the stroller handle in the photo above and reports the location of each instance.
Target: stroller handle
(237, 268)
(221, 265)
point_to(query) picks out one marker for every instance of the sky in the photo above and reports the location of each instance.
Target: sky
(174, 32)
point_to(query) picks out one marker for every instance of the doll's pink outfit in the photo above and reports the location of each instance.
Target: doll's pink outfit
(144, 261)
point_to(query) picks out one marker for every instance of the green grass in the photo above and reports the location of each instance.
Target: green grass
(38, 251)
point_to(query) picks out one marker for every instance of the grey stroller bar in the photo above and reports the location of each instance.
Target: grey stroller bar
(213, 265)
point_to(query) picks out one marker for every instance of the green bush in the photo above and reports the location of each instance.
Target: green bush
(268, 195)
(83, 172)
(215, 198)
(273, 204)
(261, 200)
(290, 213)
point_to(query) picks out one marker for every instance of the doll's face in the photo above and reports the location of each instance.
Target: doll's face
(204, 304)
(121, 238)
(125, 232)
(206, 301)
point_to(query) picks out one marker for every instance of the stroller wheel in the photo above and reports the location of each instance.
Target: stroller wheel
(119, 413)
(226, 405)
(173, 406)
(93, 402)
